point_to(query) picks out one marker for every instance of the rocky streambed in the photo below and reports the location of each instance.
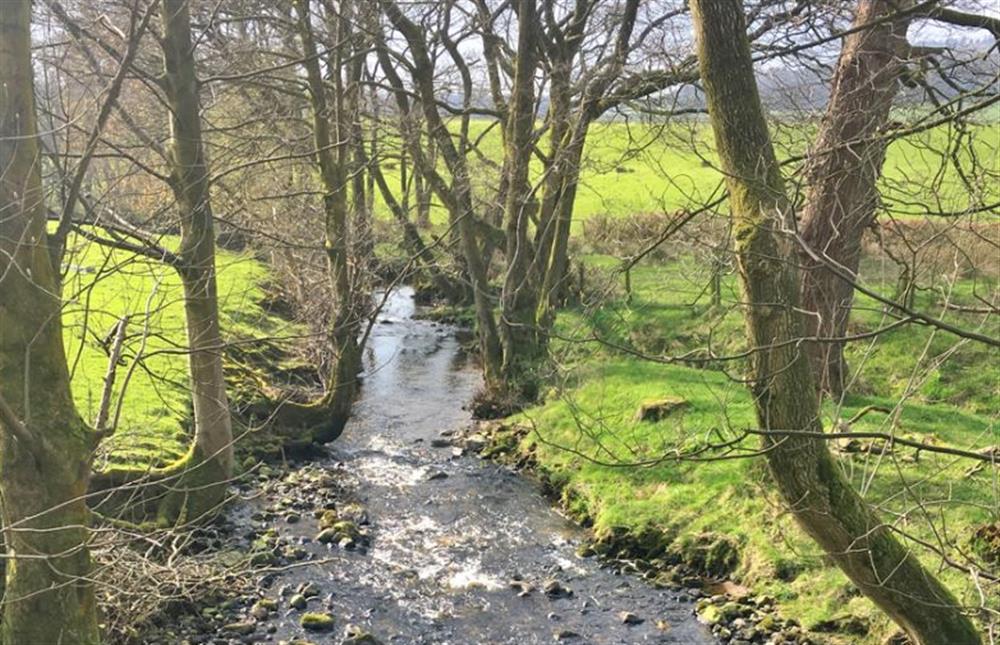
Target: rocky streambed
(402, 536)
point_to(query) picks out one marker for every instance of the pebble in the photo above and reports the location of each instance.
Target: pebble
(555, 589)
(309, 589)
(240, 628)
(565, 635)
(628, 618)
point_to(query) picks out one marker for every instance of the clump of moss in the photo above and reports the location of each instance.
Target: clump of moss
(316, 622)
(711, 554)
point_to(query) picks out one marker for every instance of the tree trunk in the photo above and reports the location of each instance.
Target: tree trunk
(343, 382)
(559, 192)
(422, 193)
(364, 240)
(209, 465)
(519, 297)
(807, 476)
(45, 447)
(558, 256)
(842, 176)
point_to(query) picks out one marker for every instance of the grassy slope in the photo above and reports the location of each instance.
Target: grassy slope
(603, 388)
(102, 285)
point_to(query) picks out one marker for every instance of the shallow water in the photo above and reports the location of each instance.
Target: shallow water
(445, 548)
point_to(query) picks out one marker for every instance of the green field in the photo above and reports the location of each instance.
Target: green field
(641, 168)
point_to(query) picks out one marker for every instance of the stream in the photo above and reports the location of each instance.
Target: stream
(460, 549)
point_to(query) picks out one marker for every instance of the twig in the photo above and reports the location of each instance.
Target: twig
(989, 457)
(114, 355)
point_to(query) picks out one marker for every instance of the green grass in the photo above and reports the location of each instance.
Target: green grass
(632, 168)
(101, 286)
(585, 432)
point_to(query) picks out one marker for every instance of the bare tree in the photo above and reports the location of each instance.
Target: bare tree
(335, 156)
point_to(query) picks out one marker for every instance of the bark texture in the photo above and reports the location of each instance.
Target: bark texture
(807, 476)
(842, 176)
(45, 446)
(201, 486)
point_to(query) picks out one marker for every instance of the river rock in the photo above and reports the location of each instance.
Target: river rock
(555, 589)
(475, 442)
(628, 618)
(309, 589)
(328, 518)
(565, 635)
(710, 615)
(355, 635)
(294, 553)
(298, 601)
(242, 628)
(732, 610)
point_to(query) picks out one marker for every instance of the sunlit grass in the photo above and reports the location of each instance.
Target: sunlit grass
(102, 285)
(586, 432)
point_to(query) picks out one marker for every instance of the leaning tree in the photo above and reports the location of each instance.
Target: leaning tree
(807, 477)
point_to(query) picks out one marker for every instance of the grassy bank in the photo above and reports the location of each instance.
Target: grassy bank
(102, 285)
(622, 474)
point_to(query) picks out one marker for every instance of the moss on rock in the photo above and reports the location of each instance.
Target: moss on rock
(316, 622)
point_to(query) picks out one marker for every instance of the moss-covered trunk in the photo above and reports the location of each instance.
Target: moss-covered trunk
(842, 177)
(807, 476)
(200, 488)
(44, 447)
